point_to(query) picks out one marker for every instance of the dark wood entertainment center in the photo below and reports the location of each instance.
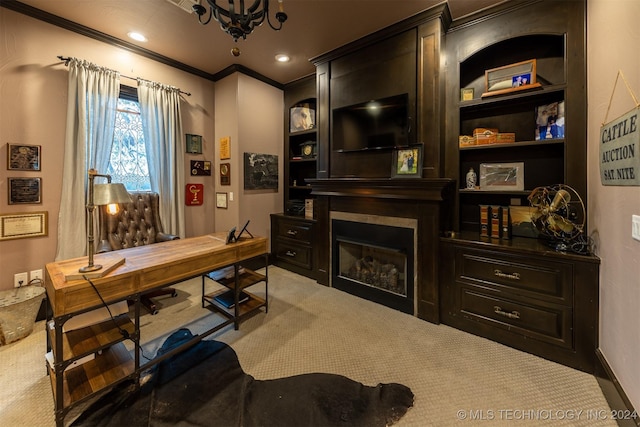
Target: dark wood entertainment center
(517, 291)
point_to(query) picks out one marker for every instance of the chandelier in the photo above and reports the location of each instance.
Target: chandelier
(238, 21)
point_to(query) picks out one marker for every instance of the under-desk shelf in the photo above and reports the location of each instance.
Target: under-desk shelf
(112, 365)
(237, 310)
(90, 339)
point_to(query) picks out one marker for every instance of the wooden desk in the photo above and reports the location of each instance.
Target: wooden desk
(145, 268)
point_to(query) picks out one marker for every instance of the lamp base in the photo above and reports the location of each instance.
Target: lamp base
(109, 262)
(90, 268)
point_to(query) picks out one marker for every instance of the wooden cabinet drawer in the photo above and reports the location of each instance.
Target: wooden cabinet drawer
(534, 278)
(549, 323)
(292, 253)
(296, 230)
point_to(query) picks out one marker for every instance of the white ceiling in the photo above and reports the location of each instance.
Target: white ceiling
(314, 27)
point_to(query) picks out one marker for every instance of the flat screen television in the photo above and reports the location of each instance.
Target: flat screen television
(372, 125)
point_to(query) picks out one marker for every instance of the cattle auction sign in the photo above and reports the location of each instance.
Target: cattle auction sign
(620, 150)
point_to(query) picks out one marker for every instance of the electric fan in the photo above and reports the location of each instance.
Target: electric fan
(559, 216)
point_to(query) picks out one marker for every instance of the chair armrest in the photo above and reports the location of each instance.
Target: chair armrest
(164, 237)
(103, 246)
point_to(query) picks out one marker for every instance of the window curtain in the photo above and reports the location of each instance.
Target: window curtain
(162, 128)
(91, 112)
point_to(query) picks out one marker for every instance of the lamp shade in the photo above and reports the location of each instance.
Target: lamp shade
(106, 194)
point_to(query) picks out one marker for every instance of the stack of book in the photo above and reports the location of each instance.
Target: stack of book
(227, 299)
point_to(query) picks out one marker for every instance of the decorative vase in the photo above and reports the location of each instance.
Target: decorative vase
(471, 179)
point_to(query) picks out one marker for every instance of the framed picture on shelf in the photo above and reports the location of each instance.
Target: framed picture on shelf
(522, 218)
(466, 94)
(550, 121)
(511, 78)
(502, 176)
(21, 157)
(302, 116)
(407, 162)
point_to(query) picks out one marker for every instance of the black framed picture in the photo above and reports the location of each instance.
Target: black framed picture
(407, 162)
(260, 171)
(200, 168)
(21, 157)
(25, 190)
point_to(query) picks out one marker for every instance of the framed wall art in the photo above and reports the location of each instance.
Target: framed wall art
(222, 200)
(407, 162)
(194, 144)
(260, 171)
(225, 173)
(25, 190)
(511, 78)
(200, 168)
(23, 225)
(225, 148)
(502, 176)
(21, 157)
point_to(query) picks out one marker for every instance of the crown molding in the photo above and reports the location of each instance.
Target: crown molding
(66, 24)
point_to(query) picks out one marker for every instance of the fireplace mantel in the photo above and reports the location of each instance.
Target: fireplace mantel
(428, 201)
(392, 188)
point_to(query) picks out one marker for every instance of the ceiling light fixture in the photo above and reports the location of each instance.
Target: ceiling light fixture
(137, 36)
(238, 21)
(281, 57)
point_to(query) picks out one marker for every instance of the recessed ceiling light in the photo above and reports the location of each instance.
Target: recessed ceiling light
(281, 57)
(137, 36)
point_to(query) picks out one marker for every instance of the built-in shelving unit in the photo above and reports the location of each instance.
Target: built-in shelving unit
(519, 291)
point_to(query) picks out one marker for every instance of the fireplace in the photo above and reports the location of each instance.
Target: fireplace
(374, 261)
(419, 207)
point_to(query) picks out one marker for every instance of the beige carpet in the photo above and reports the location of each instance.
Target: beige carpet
(457, 378)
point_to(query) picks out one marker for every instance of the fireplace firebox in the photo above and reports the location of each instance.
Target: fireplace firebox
(375, 262)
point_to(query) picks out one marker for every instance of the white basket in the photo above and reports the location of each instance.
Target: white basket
(18, 310)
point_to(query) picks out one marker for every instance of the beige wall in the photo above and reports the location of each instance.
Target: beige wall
(33, 103)
(250, 114)
(613, 37)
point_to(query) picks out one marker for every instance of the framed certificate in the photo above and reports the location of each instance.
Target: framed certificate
(23, 225)
(221, 200)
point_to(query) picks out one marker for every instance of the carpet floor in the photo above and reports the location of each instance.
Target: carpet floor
(457, 378)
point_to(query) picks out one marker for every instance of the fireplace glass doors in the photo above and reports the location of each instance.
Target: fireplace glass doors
(374, 262)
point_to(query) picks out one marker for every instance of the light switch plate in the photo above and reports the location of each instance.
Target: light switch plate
(635, 227)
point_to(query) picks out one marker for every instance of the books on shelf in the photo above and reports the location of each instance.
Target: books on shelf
(227, 298)
(224, 273)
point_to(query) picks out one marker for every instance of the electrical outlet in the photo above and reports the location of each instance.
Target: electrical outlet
(635, 226)
(20, 279)
(35, 274)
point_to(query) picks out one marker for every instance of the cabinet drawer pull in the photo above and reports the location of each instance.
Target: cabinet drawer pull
(513, 315)
(291, 253)
(499, 273)
(292, 232)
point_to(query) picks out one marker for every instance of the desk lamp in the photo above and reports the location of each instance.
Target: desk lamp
(101, 194)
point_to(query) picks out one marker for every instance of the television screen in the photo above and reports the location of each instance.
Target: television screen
(372, 125)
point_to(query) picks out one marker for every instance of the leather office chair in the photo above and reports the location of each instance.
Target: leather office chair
(136, 224)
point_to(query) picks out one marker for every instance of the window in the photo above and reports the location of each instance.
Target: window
(128, 162)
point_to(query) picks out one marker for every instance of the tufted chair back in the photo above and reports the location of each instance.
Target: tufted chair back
(137, 224)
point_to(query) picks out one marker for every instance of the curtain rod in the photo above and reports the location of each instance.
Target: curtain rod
(66, 60)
